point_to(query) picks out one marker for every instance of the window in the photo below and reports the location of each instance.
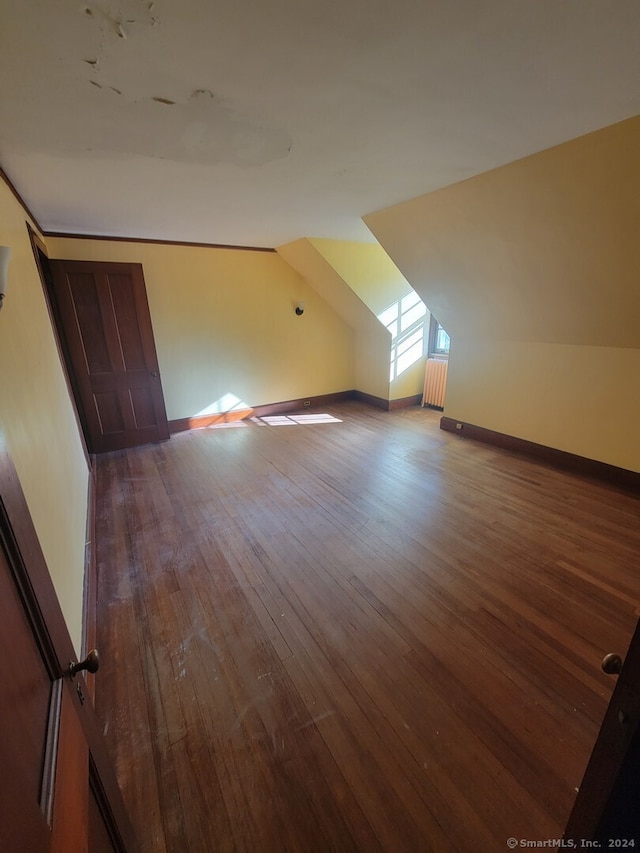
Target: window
(438, 338)
(405, 319)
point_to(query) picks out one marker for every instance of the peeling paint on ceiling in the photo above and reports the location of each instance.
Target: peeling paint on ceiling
(201, 129)
(251, 123)
(118, 23)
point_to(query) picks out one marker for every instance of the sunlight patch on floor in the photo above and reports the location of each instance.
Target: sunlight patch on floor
(297, 420)
(228, 425)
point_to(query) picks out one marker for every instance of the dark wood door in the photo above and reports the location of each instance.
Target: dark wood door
(53, 761)
(25, 699)
(607, 807)
(103, 313)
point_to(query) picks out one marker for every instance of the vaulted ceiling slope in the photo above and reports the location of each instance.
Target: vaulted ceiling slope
(543, 250)
(257, 123)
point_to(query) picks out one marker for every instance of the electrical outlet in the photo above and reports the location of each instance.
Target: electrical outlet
(307, 402)
(458, 426)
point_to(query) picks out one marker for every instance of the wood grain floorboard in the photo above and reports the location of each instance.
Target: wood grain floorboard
(359, 635)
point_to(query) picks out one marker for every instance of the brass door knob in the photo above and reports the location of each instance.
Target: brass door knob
(91, 663)
(612, 664)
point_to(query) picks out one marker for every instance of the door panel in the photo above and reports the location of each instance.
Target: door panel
(71, 799)
(606, 806)
(105, 322)
(51, 748)
(44, 754)
(126, 316)
(25, 693)
(109, 413)
(142, 407)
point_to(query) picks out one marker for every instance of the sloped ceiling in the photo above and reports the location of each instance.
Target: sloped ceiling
(542, 250)
(256, 123)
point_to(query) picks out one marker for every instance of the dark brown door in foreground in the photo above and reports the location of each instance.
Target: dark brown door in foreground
(58, 792)
(47, 776)
(607, 807)
(106, 329)
(25, 700)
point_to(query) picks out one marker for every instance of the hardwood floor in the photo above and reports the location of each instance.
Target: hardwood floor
(357, 635)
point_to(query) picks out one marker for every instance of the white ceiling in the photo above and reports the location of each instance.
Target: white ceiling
(253, 123)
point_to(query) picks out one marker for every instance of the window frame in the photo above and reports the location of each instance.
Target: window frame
(434, 328)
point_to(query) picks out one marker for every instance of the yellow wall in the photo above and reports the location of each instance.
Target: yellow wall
(367, 269)
(372, 275)
(38, 420)
(371, 339)
(584, 400)
(533, 268)
(225, 326)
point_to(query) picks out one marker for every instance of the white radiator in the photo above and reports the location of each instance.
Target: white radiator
(435, 382)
